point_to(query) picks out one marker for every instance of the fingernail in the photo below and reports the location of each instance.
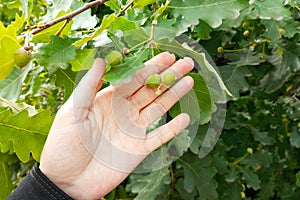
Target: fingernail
(189, 60)
(186, 118)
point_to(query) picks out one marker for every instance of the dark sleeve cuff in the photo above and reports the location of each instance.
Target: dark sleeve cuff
(37, 186)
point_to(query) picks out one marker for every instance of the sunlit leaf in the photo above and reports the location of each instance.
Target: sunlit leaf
(56, 7)
(84, 59)
(57, 54)
(8, 46)
(106, 22)
(209, 72)
(142, 3)
(27, 134)
(190, 12)
(10, 88)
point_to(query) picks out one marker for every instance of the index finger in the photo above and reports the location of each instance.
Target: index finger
(156, 64)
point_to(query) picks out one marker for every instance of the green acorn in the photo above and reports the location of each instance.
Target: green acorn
(153, 81)
(169, 79)
(114, 58)
(22, 57)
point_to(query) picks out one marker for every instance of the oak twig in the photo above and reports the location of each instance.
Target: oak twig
(125, 8)
(62, 27)
(69, 16)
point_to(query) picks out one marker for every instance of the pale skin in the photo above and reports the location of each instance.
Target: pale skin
(70, 158)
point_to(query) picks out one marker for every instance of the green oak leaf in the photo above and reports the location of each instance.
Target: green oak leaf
(271, 9)
(267, 190)
(199, 175)
(84, 20)
(189, 12)
(136, 37)
(67, 79)
(84, 59)
(298, 179)
(209, 73)
(163, 29)
(291, 28)
(5, 179)
(232, 175)
(10, 88)
(56, 7)
(113, 5)
(283, 66)
(220, 163)
(230, 191)
(148, 186)
(263, 137)
(6, 174)
(272, 32)
(197, 103)
(122, 23)
(125, 71)
(295, 138)
(259, 159)
(182, 192)
(234, 78)
(202, 30)
(165, 155)
(57, 54)
(291, 54)
(106, 22)
(251, 178)
(27, 134)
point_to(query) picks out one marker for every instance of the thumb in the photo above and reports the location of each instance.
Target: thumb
(85, 92)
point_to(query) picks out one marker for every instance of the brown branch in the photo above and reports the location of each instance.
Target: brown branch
(68, 16)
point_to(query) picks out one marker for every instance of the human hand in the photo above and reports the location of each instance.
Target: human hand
(98, 138)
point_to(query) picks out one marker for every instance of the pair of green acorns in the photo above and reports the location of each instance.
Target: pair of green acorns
(156, 81)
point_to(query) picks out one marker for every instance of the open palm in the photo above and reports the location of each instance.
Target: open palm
(98, 138)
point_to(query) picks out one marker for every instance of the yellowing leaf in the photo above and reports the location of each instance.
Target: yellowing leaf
(8, 46)
(142, 3)
(12, 29)
(44, 36)
(18, 23)
(27, 133)
(9, 31)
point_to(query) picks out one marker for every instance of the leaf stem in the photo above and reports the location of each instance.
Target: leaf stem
(172, 176)
(125, 8)
(139, 44)
(233, 50)
(62, 27)
(236, 162)
(68, 17)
